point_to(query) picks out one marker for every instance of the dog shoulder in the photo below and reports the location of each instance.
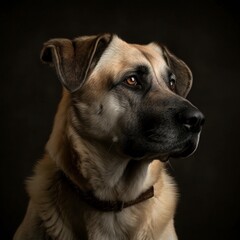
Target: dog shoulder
(31, 226)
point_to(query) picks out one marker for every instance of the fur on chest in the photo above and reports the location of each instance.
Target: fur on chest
(64, 213)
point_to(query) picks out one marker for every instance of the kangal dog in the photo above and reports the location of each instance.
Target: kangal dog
(122, 115)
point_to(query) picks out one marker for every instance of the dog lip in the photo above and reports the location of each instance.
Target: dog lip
(190, 146)
(153, 148)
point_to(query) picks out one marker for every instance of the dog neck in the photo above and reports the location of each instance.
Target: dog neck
(108, 206)
(109, 176)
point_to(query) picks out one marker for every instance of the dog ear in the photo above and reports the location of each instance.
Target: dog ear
(181, 70)
(74, 60)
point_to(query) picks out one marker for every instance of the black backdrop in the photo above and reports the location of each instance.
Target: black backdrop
(205, 34)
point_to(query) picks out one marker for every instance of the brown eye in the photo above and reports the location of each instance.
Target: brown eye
(172, 82)
(131, 81)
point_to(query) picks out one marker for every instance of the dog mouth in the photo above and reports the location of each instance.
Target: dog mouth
(172, 143)
(157, 150)
(183, 150)
(186, 148)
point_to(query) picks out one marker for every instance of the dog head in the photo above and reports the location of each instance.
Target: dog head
(128, 96)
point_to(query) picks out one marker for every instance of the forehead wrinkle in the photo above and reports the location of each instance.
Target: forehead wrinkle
(148, 57)
(153, 69)
(161, 59)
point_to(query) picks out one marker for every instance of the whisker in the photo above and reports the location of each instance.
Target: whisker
(170, 165)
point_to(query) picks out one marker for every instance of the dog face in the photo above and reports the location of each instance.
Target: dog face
(129, 97)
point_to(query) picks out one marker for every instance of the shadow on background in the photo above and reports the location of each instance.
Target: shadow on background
(205, 34)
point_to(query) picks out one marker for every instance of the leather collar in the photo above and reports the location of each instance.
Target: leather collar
(114, 206)
(109, 206)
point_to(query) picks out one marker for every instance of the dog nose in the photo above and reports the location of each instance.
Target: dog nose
(192, 119)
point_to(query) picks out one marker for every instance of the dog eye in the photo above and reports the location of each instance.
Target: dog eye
(172, 82)
(132, 81)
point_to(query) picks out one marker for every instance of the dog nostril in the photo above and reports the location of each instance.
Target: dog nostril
(192, 120)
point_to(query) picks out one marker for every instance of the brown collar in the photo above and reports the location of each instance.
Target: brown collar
(114, 206)
(109, 206)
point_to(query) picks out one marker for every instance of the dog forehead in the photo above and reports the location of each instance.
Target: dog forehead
(154, 55)
(121, 55)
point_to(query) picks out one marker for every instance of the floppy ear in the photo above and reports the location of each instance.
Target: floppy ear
(181, 70)
(74, 59)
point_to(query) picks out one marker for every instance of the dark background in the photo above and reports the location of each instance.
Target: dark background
(205, 34)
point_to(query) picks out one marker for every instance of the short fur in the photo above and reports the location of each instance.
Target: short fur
(96, 143)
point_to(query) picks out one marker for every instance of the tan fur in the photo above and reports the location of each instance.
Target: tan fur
(55, 208)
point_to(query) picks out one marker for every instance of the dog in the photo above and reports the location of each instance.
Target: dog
(122, 115)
